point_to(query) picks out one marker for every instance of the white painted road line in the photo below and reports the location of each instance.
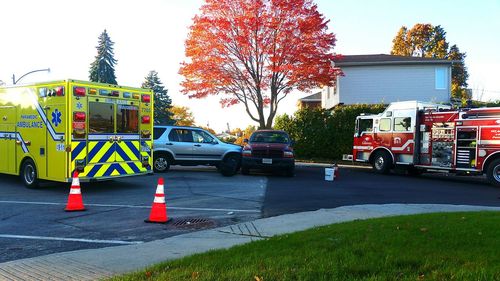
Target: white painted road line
(134, 206)
(71, 239)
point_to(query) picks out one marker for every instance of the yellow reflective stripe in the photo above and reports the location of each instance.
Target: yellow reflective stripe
(107, 146)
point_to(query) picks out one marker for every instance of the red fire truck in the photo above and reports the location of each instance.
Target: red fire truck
(423, 137)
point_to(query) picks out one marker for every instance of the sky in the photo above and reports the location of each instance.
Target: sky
(150, 35)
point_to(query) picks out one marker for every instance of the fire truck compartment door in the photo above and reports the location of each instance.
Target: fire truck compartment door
(8, 139)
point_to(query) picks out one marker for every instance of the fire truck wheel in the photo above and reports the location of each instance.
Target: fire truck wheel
(382, 162)
(493, 172)
(161, 162)
(29, 175)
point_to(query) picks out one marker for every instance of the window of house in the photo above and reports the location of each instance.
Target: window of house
(385, 124)
(402, 124)
(441, 78)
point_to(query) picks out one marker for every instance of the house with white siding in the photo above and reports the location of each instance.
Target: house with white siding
(383, 78)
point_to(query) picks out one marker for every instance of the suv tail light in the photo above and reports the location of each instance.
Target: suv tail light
(288, 154)
(247, 152)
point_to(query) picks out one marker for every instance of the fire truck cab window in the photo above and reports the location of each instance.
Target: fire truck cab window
(365, 125)
(385, 124)
(127, 118)
(402, 124)
(101, 118)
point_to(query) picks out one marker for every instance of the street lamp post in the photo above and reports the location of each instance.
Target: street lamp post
(14, 81)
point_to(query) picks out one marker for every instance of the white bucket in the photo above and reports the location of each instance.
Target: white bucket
(329, 174)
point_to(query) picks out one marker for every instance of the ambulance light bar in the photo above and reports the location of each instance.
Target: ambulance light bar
(79, 91)
(146, 98)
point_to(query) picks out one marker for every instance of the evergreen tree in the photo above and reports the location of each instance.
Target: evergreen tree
(102, 69)
(162, 102)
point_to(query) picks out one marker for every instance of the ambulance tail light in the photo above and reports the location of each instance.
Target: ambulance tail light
(79, 91)
(146, 98)
(79, 116)
(146, 120)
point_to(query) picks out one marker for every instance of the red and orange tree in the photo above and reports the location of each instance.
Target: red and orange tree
(256, 52)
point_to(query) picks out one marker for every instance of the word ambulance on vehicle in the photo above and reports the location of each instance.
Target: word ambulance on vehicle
(48, 130)
(430, 137)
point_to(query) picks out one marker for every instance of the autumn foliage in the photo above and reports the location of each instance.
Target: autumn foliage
(256, 52)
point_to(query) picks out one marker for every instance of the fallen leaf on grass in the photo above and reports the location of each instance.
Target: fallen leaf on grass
(195, 275)
(257, 278)
(423, 229)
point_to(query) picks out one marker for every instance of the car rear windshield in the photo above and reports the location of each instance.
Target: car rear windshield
(270, 137)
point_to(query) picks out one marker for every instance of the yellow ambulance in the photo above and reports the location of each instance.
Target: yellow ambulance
(48, 130)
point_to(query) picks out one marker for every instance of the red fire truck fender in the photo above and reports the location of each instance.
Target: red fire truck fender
(381, 148)
(488, 159)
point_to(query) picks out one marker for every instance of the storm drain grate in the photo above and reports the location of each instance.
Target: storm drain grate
(193, 223)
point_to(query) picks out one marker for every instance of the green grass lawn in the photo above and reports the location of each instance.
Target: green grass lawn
(442, 246)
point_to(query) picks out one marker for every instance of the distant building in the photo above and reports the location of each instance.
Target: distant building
(312, 101)
(370, 79)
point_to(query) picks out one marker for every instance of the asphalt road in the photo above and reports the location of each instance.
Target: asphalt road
(33, 222)
(308, 190)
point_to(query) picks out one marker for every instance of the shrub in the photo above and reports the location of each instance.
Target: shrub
(324, 134)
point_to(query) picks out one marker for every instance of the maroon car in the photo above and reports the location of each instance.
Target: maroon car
(268, 150)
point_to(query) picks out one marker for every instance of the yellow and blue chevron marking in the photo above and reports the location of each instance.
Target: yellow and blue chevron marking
(108, 159)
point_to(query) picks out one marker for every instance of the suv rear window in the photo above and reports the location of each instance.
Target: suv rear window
(157, 132)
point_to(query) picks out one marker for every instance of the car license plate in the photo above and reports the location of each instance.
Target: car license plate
(267, 161)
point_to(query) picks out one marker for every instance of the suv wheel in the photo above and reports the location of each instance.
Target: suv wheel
(290, 172)
(230, 165)
(161, 162)
(245, 170)
(29, 175)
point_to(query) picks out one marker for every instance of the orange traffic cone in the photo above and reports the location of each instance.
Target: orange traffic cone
(159, 210)
(336, 173)
(75, 202)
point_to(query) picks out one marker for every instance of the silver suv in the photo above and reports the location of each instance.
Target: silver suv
(190, 146)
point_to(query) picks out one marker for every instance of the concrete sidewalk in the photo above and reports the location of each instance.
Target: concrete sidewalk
(96, 264)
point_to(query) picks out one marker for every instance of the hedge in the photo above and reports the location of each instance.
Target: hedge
(324, 134)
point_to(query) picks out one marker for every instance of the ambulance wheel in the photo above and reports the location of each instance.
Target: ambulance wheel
(493, 172)
(161, 162)
(29, 174)
(382, 162)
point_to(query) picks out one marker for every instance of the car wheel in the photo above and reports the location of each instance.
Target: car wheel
(382, 162)
(161, 163)
(493, 172)
(290, 172)
(230, 165)
(29, 174)
(245, 171)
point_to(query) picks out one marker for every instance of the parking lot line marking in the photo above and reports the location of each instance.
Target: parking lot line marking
(136, 206)
(70, 239)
